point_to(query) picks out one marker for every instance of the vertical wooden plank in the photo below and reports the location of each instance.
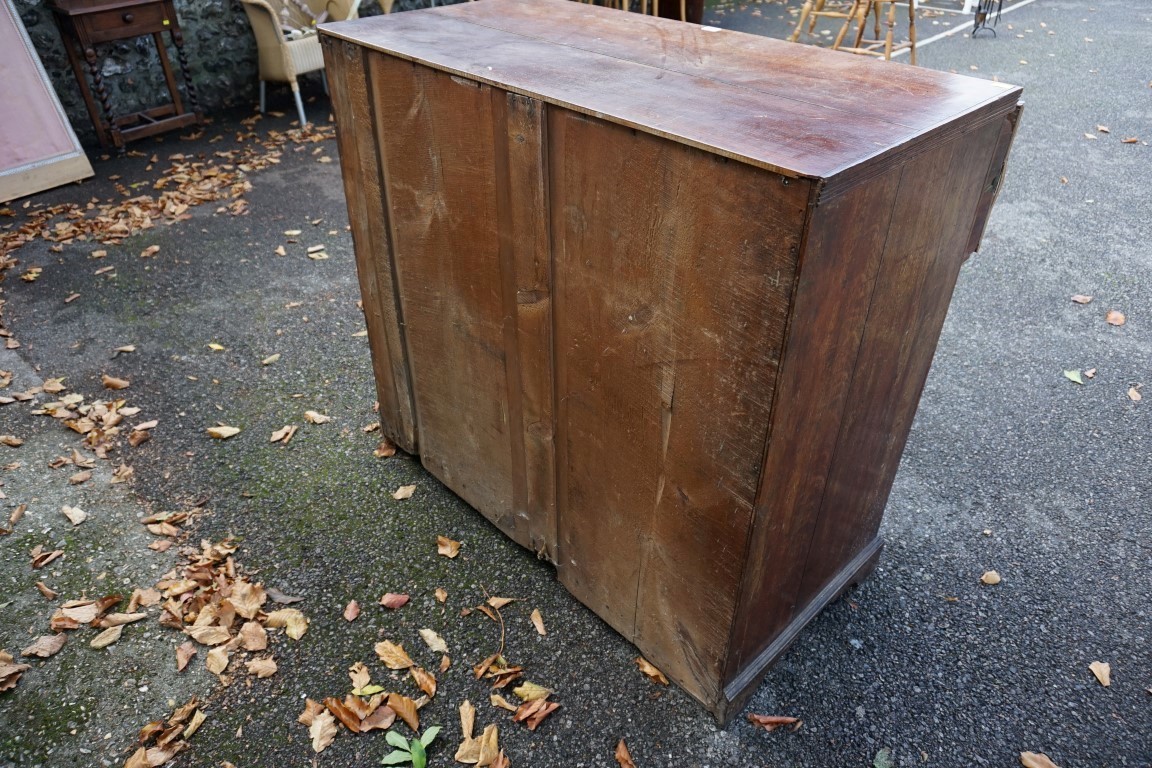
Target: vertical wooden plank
(673, 276)
(837, 275)
(526, 271)
(439, 172)
(368, 216)
(925, 249)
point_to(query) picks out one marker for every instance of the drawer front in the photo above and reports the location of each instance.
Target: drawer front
(119, 23)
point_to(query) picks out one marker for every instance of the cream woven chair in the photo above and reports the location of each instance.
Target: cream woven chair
(287, 40)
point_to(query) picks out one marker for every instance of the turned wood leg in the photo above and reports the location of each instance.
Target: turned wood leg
(169, 76)
(804, 11)
(86, 91)
(891, 29)
(102, 94)
(178, 41)
(912, 30)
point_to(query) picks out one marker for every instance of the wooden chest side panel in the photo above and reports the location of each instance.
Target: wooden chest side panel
(840, 259)
(368, 216)
(438, 161)
(928, 242)
(673, 273)
(526, 280)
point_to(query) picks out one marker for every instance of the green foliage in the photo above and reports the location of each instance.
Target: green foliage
(414, 751)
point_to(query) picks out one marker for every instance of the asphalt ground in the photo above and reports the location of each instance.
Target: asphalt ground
(1010, 466)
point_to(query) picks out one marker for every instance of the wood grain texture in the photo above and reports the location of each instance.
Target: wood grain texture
(670, 334)
(837, 276)
(439, 162)
(526, 272)
(784, 124)
(671, 315)
(368, 216)
(922, 258)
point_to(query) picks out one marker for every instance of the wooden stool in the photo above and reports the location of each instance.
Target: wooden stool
(877, 46)
(858, 11)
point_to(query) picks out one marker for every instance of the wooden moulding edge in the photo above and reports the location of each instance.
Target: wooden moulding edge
(744, 684)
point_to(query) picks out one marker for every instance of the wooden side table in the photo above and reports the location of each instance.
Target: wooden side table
(85, 23)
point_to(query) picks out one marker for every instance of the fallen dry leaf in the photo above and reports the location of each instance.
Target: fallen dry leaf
(772, 722)
(150, 251)
(499, 701)
(206, 635)
(1102, 670)
(1114, 317)
(294, 622)
(261, 667)
(41, 559)
(380, 719)
(991, 578)
(434, 641)
(531, 691)
(75, 515)
(1036, 760)
(223, 431)
(217, 659)
(311, 709)
(359, 675)
(139, 759)
(247, 598)
(394, 600)
(622, 755)
(194, 724)
(184, 653)
(1082, 299)
(351, 611)
(312, 417)
(650, 671)
(270, 359)
(80, 477)
(404, 492)
(124, 350)
(284, 434)
(1134, 394)
(45, 646)
(440, 594)
(425, 680)
(343, 713)
(533, 712)
(405, 709)
(393, 655)
(111, 382)
(385, 449)
(447, 547)
(322, 730)
(11, 441)
(538, 622)
(107, 637)
(499, 602)
(1073, 375)
(45, 590)
(1130, 140)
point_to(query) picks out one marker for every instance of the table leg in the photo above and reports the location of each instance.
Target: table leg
(85, 90)
(102, 94)
(169, 77)
(178, 41)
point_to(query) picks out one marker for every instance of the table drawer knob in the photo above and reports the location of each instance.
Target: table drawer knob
(128, 18)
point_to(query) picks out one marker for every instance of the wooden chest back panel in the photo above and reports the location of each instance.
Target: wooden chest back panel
(669, 333)
(438, 168)
(669, 319)
(368, 216)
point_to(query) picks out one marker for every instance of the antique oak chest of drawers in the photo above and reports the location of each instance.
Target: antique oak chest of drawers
(659, 300)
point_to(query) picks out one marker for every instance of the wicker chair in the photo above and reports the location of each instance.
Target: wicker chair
(287, 40)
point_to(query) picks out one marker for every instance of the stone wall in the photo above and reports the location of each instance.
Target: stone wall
(217, 40)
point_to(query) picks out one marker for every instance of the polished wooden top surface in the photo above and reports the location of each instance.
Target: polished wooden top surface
(795, 109)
